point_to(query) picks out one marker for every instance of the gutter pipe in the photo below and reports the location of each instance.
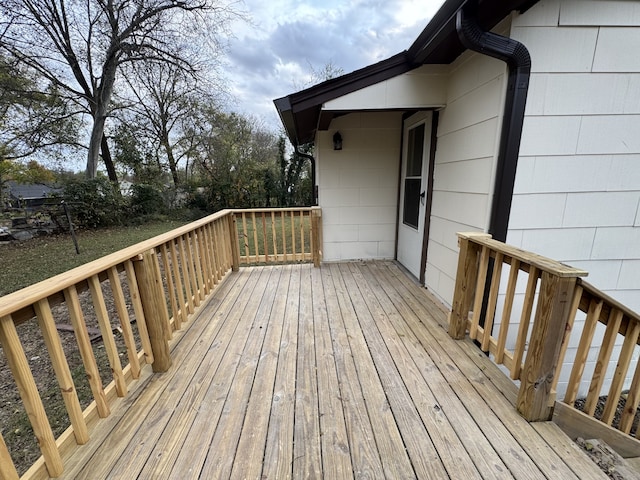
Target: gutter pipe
(314, 188)
(517, 58)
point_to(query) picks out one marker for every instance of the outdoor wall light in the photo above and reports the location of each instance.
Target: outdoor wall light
(337, 141)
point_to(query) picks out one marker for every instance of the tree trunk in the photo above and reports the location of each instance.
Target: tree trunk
(93, 155)
(172, 162)
(108, 161)
(102, 99)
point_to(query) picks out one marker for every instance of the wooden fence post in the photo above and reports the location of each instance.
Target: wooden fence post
(154, 306)
(233, 239)
(466, 276)
(316, 237)
(554, 305)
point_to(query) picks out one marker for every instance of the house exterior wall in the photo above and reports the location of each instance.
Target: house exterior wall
(577, 192)
(358, 185)
(466, 154)
(425, 87)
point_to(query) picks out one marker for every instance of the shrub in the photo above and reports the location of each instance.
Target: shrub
(94, 203)
(147, 200)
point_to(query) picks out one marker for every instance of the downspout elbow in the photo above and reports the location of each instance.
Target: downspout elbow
(518, 60)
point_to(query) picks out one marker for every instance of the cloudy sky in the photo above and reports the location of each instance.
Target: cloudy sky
(288, 39)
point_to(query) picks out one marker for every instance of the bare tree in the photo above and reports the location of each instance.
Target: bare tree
(80, 46)
(166, 95)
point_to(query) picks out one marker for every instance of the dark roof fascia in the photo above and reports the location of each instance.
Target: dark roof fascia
(438, 43)
(312, 98)
(423, 45)
(337, 87)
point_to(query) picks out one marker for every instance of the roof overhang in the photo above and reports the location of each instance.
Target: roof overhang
(301, 112)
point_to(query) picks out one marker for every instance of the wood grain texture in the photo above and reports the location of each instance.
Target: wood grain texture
(345, 371)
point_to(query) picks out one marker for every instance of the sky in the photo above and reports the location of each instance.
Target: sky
(286, 40)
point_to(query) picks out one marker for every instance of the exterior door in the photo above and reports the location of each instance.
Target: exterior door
(413, 191)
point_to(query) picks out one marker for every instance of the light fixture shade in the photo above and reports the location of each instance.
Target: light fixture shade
(337, 141)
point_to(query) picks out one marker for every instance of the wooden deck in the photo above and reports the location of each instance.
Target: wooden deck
(336, 372)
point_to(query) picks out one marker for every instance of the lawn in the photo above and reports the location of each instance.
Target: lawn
(25, 263)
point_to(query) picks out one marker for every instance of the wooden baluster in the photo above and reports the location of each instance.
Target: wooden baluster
(534, 396)
(600, 370)
(303, 249)
(107, 335)
(202, 290)
(191, 262)
(8, 469)
(316, 219)
(466, 278)
(201, 248)
(223, 244)
(138, 311)
(61, 369)
(265, 240)
(284, 236)
(86, 352)
(493, 300)
(186, 272)
(507, 309)
(155, 311)
(233, 260)
(589, 328)
(213, 253)
(293, 236)
(205, 252)
(173, 300)
(255, 238)
(245, 257)
(175, 265)
(525, 320)
(229, 241)
(631, 405)
(273, 236)
(479, 292)
(617, 383)
(125, 324)
(17, 361)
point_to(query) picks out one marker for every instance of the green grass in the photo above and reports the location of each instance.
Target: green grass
(26, 263)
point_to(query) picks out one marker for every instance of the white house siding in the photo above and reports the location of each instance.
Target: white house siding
(577, 192)
(468, 133)
(358, 185)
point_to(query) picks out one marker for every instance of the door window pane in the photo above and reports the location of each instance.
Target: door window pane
(415, 151)
(411, 201)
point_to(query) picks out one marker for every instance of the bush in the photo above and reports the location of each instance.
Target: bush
(95, 203)
(147, 200)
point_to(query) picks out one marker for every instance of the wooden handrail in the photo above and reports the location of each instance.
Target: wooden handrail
(537, 353)
(482, 260)
(168, 277)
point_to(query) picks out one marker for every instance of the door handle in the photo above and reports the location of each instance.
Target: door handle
(422, 197)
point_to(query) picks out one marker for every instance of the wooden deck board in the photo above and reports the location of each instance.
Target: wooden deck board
(337, 372)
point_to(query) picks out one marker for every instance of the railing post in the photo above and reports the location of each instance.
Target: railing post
(154, 306)
(316, 237)
(535, 401)
(235, 246)
(466, 277)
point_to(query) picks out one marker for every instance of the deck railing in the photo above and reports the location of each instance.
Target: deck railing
(155, 287)
(279, 236)
(557, 295)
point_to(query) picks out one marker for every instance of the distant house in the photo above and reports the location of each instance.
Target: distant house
(520, 118)
(28, 196)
